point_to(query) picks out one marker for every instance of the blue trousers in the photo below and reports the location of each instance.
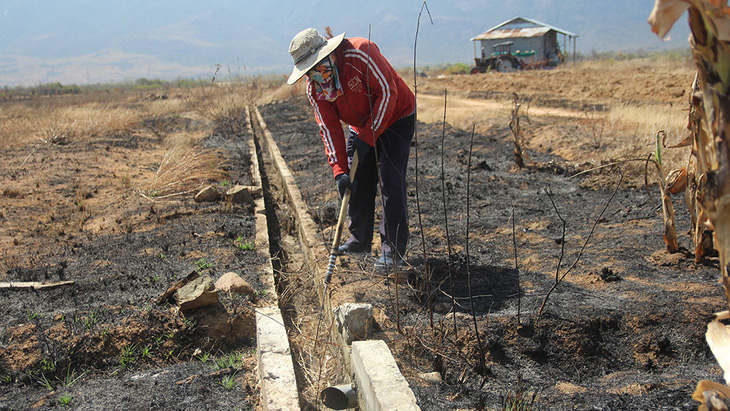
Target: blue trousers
(386, 164)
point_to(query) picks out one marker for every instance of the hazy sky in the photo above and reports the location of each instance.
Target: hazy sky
(99, 40)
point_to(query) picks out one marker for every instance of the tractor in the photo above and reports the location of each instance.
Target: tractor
(501, 60)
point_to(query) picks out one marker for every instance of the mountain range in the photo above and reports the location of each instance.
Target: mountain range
(92, 41)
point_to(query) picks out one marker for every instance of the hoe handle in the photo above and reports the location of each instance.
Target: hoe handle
(340, 221)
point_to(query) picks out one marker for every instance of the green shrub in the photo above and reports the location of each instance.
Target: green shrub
(458, 68)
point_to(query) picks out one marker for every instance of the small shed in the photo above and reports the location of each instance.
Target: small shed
(530, 40)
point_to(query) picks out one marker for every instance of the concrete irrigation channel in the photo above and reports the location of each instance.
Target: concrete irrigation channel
(302, 347)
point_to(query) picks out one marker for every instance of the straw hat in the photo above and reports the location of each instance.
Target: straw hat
(309, 48)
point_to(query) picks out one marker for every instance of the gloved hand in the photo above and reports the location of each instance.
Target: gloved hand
(343, 182)
(358, 146)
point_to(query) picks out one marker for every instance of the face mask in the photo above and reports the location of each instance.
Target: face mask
(326, 83)
(322, 72)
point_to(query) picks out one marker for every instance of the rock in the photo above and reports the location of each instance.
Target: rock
(226, 326)
(197, 293)
(354, 321)
(167, 296)
(432, 377)
(233, 283)
(240, 195)
(207, 195)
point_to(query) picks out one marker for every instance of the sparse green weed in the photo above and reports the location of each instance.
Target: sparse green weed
(48, 364)
(190, 323)
(90, 320)
(202, 264)
(71, 378)
(228, 381)
(127, 357)
(232, 360)
(204, 357)
(519, 399)
(244, 245)
(44, 381)
(65, 400)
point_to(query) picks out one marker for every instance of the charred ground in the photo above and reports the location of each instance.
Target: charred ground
(624, 329)
(73, 211)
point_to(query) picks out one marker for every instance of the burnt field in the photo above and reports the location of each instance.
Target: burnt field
(624, 327)
(549, 281)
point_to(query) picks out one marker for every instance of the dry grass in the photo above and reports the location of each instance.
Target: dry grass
(283, 92)
(84, 122)
(185, 169)
(63, 119)
(317, 358)
(677, 59)
(590, 136)
(60, 120)
(180, 122)
(643, 123)
(224, 103)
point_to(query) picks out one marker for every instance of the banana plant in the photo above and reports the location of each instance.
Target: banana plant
(709, 120)
(709, 22)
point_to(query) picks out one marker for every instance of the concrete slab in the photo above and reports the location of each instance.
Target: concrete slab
(380, 385)
(275, 364)
(276, 368)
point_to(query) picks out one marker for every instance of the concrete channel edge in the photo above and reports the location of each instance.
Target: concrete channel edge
(371, 364)
(275, 365)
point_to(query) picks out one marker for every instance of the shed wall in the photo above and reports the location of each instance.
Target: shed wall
(544, 46)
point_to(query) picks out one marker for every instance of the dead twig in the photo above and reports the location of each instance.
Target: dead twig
(426, 270)
(559, 278)
(446, 216)
(517, 267)
(520, 153)
(670, 232)
(482, 364)
(36, 285)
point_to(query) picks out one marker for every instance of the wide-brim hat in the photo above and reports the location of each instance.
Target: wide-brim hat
(309, 48)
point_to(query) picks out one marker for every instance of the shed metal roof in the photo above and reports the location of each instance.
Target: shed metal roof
(539, 29)
(512, 33)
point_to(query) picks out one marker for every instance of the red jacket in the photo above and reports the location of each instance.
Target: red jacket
(368, 80)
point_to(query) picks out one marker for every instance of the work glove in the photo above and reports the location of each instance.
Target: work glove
(343, 183)
(358, 146)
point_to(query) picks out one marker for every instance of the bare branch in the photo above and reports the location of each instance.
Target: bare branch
(559, 278)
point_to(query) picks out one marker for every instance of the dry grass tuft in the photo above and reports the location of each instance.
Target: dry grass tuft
(223, 104)
(54, 122)
(283, 92)
(185, 169)
(628, 131)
